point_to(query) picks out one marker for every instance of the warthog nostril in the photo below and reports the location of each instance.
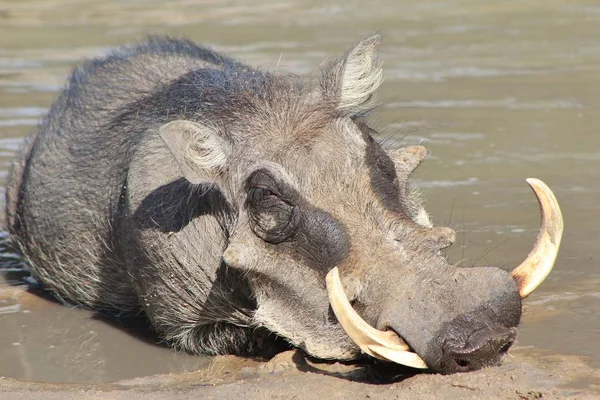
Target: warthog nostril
(463, 363)
(483, 347)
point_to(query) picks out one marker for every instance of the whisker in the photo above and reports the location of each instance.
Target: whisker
(464, 235)
(485, 253)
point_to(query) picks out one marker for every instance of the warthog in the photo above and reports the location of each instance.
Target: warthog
(236, 207)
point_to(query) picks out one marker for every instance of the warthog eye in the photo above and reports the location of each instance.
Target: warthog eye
(272, 218)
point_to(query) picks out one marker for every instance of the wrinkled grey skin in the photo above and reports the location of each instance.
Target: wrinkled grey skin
(215, 197)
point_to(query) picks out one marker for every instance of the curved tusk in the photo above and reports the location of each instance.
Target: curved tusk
(399, 357)
(379, 344)
(538, 264)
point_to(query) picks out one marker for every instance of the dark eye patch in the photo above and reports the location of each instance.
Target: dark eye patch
(322, 241)
(386, 167)
(382, 173)
(280, 215)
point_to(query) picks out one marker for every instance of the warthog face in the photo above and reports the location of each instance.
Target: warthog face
(316, 196)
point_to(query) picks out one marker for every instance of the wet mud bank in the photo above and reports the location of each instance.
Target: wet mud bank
(81, 371)
(292, 375)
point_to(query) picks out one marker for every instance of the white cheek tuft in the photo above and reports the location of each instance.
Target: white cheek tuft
(416, 209)
(422, 218)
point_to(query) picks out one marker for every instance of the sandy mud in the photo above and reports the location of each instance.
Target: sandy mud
(291, 375)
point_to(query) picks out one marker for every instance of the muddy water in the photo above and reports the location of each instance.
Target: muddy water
(498, 91)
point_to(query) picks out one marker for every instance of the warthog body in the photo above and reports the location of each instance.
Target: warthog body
(171, 179)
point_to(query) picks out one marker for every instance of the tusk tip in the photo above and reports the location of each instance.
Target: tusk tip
(540, 261)
(406, 358)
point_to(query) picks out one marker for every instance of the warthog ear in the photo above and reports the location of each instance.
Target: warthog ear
(353, 79)
(198, 149)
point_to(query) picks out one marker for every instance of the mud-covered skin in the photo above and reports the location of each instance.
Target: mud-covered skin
(215, 197)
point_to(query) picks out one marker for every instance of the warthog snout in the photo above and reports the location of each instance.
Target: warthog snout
(482, 347)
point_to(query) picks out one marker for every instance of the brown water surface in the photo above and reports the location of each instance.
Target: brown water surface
(498, 91)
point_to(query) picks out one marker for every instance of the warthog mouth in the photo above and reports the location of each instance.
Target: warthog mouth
(387, 345)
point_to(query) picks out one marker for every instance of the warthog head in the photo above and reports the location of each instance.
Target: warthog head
(340, 259)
